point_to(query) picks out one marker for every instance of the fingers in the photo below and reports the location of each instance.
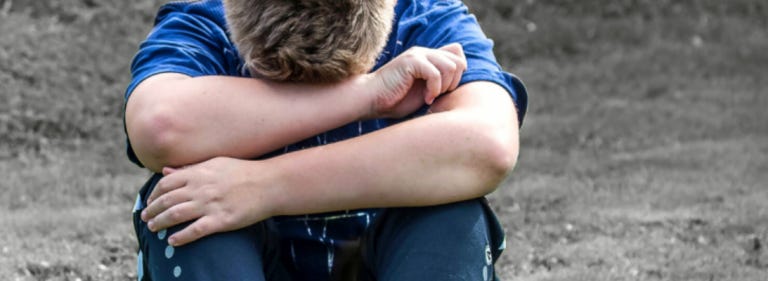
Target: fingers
(175, 215)
(450, 63)
(454, 48)
(168, 171)
(163, 204)
(167, 184)
(427, 71)
(446, 66)
(440, 69)
(198, 229)
(457, 56)
(461, 63)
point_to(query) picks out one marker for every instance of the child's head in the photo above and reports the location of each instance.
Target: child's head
(313, 41)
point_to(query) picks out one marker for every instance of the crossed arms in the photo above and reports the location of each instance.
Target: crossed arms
(461, 150)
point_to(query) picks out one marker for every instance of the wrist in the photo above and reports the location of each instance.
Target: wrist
(365, 88)
(286, 186)
(270, 195)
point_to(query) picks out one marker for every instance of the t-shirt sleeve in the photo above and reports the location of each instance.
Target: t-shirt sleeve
(449, 21)
(181, 42)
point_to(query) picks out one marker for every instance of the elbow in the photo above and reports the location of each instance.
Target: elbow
(155, 135)
(503, 152)
(500, 153)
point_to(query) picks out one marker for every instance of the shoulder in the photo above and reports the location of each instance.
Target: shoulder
(189, 38)
(192, 26)
(422, 22)
(436, 23)
(415, 23)
(426, 9)
(210, 12)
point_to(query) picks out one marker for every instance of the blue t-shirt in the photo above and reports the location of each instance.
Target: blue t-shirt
(192, 38)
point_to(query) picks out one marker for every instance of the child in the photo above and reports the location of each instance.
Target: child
(187, 109)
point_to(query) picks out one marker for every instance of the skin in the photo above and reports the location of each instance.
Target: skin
(461, 150)
(174, 120)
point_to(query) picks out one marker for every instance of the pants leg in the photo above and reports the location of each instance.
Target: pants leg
(236, 255)
(458, 241)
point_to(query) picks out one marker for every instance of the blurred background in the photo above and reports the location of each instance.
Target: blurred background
(644, 152)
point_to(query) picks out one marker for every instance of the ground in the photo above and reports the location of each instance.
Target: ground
(644, 153)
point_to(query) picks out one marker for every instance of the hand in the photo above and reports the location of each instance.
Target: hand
(415, 78)
(219, 194)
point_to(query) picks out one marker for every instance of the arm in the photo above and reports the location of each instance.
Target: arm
(460, 151)
(176, 120)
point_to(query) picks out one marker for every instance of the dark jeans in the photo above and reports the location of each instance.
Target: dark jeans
(458, 241)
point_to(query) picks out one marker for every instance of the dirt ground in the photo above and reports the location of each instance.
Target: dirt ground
(644, 154)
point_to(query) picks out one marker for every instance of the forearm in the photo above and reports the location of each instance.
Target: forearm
(443, 157)
(174, 120)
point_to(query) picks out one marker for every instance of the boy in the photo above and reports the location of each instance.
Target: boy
(174, 117)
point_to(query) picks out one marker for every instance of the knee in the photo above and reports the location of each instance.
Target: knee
(451, 212)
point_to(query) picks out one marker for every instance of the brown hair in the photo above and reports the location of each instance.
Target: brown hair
(315, 41)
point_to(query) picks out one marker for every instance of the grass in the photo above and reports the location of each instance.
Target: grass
(643, 154)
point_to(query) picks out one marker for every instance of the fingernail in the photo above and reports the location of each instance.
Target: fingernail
(172, 241)
(151, 225)
(144, 215)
